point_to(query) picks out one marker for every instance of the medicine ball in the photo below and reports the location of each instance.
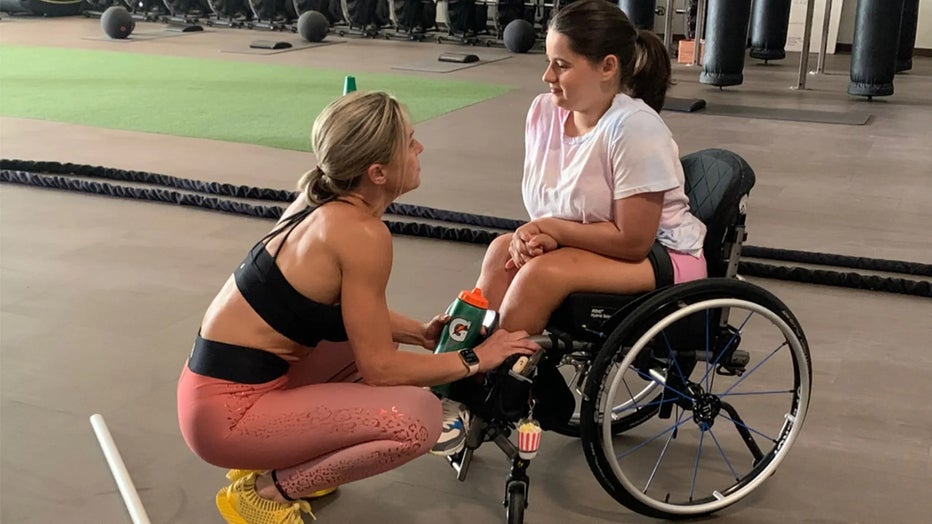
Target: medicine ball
(313, 26)
(519, 36)
(117, 22)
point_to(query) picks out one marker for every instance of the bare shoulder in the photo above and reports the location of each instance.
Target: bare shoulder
(353, 233)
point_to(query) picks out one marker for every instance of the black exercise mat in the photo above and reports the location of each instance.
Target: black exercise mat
(851, 118)
(433, 65)
(297, 44)
(683, 105)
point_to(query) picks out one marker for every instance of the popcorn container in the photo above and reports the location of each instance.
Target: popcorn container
(528, 439)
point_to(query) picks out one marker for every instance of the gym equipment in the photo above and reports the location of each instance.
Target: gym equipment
(462, 21)
(908, 26)
(191, 11)
(230, 13)
(875, 47)
(726, 34)
(770, 22)
(273, 15)
(313, 26)
(639, 12)
(42, 7)
(364, 17)
(349, 85)
(124, 481)
(519, 36)
(412, 19)
(117, 23)
(718, 363)
(269, 44)
(458, 58)
(683, 105)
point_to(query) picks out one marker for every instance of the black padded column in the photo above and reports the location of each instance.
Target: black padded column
(640, 12)
(770, 22)
(875, 46)
(908, 26)
(726, 37)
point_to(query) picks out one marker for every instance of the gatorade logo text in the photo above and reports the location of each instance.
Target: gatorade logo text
(459, 327)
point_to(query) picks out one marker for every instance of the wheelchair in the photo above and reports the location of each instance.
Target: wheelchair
(685, 399)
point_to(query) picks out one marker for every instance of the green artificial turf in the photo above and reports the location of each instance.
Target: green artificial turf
(253, 103)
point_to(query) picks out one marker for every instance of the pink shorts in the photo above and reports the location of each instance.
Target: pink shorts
(687, 267)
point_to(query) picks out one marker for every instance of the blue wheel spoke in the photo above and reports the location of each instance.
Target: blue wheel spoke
(755, 368)
(749, 428)
(655, 437)
(734, 336)
(666, 387)
(670, 352)
(692, 486)
(722, 451)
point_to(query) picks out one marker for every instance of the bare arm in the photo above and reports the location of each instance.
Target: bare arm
(365, 264)
(629, 237)
(406, 330)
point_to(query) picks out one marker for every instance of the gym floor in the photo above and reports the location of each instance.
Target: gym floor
(102, 297)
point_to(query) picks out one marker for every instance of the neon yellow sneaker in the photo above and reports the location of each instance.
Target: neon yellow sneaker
(235, 474)
(239, 503)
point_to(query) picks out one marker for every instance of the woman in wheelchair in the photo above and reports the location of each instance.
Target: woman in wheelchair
(603, 183)
(295, 378)
(659, 387)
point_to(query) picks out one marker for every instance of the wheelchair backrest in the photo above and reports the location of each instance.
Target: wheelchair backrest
(717, 182)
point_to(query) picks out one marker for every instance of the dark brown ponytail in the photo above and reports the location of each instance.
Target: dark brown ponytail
(652, 73)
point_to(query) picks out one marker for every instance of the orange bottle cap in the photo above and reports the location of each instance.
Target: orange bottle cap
(474, 298)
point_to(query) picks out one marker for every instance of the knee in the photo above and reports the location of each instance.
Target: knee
(497, 254)
(544, 269)
(420, 419)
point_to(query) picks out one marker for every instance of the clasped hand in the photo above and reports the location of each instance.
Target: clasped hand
(527, 242)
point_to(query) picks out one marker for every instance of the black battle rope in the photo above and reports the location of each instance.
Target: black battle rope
(471, 236)
(37, 174)
(230, 190)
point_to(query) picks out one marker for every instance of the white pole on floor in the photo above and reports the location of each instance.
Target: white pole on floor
(118, 469)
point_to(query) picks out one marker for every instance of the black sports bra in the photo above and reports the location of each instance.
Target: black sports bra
(287, 311)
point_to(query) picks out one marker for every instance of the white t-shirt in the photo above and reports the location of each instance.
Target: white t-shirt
(630, 151)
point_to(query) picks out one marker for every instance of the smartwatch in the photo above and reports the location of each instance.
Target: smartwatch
(470, 360)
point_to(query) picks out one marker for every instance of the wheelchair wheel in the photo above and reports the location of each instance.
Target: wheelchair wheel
(575, 369)
(717, 373)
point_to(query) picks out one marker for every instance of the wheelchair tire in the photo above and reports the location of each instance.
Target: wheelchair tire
(516, 503)
(659, 333)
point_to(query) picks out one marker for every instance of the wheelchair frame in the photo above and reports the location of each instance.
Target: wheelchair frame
(634, 338)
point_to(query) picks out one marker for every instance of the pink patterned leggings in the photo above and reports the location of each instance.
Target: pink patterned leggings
(318, 426)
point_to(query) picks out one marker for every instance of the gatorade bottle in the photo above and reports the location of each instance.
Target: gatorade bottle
(467, 312)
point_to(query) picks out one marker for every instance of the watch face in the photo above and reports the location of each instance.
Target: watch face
(469, 356)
